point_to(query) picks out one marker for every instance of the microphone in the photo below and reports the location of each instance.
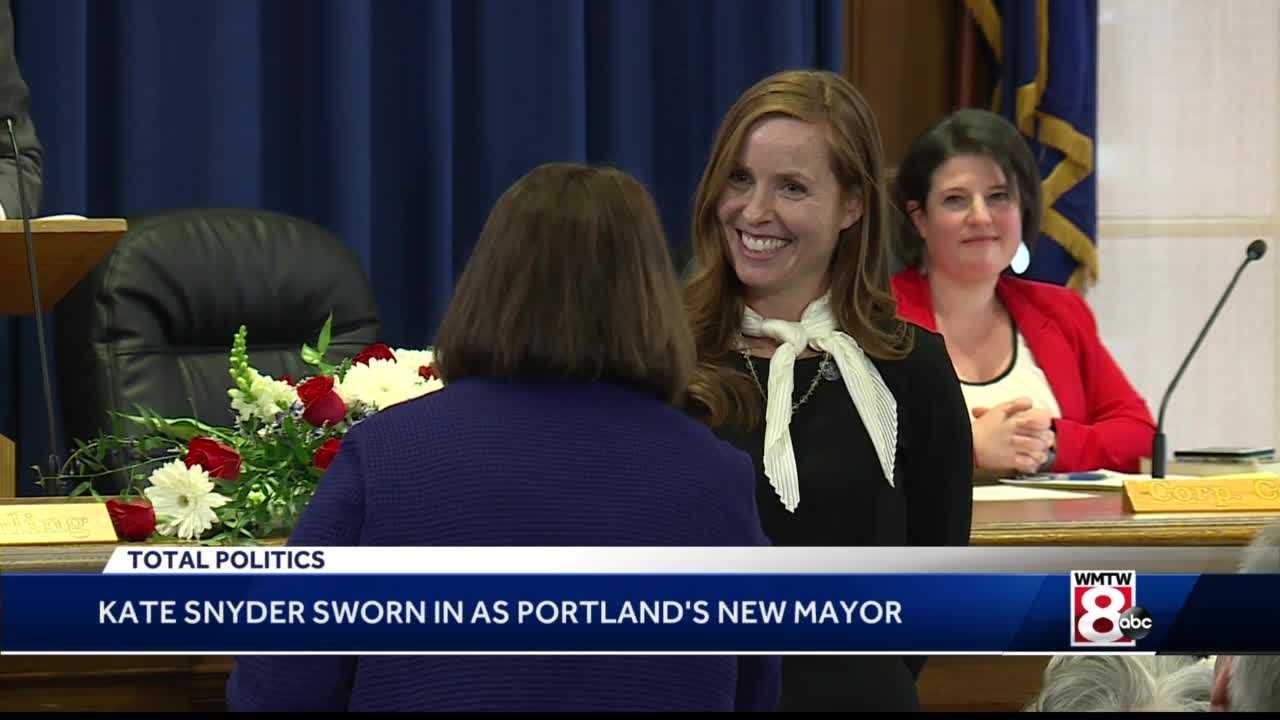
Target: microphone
(54, 487)
(1255, 251)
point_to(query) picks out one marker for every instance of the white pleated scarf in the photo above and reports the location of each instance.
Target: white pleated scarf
(875, 404)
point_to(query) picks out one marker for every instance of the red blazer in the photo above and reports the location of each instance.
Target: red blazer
(1104, 423)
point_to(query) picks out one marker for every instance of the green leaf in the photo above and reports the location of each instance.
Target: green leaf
(310, 356)
(302, 455)
(323, 344)
(153, 442)
(340, 372)
(176, 428)
(215, 539)
(81, 488)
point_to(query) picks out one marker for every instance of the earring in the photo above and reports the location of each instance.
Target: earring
(1021, 259)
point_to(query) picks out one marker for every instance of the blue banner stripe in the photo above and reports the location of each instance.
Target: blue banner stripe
(782, 613)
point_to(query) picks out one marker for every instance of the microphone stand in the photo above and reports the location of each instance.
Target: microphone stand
(53, 486)
(1159, 447)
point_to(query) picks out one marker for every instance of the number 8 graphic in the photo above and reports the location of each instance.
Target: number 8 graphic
(1089, 600)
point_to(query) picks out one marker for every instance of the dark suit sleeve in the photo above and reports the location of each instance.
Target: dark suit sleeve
(316, 683)
(939, 477)
(15, 102)
(759, 676)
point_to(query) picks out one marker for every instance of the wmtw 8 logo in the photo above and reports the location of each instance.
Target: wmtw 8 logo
(1105, 610)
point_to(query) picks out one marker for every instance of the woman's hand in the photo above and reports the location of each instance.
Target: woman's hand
(1033, 422)
(1012, 436)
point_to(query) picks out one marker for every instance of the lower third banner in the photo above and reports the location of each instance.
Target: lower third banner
(771, 613)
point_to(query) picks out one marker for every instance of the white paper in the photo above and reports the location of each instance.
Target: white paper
(1008, 493)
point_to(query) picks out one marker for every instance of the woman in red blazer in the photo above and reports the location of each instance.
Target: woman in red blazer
(1044, 391)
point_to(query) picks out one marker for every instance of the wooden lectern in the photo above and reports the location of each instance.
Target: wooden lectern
(66, 250)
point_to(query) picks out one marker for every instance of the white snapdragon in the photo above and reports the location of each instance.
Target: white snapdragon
(268, 398)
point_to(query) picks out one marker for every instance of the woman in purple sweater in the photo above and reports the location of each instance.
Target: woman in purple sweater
(564, 351)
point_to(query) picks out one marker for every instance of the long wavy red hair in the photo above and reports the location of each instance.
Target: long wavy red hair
(861, 300)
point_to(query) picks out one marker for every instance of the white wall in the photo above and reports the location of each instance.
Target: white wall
(1188, 161)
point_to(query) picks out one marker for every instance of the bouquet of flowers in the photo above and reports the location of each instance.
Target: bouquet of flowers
(241, 483)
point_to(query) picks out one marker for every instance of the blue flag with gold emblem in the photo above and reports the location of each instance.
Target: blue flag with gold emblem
(1048, 86)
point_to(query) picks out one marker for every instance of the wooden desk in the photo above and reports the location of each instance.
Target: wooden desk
(1101, 520)
(981, 683)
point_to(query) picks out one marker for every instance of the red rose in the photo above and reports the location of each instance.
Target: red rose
(326, 452)
(320, 404)
(428, 373)
(135, 520)
(376, 351)
(328, 409)
(314, 388)
(288, 380)
(218, 460)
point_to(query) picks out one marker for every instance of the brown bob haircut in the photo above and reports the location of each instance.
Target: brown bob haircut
(571, 280)
(964, 132)
(861, 300)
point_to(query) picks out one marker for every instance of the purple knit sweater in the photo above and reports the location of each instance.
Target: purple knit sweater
(489, 463)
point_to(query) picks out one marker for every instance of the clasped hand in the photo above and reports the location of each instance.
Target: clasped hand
(1012, 436)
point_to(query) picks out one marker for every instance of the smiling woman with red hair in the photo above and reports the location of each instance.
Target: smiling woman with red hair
(854, 418)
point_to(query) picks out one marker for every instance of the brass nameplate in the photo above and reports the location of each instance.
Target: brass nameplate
(50, 524)
(8, 479)
(1244, 491)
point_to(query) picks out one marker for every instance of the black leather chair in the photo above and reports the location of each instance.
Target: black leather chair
(153, 324)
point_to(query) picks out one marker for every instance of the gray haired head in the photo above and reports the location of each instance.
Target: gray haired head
(1255, 679)
(1263, 553)
(1124, 683)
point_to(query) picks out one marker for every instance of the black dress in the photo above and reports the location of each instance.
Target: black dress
(845, 500)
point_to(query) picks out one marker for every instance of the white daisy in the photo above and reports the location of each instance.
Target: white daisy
(381, 384)
(414, 358)
(417, 359)
(184, 500)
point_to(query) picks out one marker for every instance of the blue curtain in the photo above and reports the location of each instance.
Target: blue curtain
(396, 124)
(1048, 86)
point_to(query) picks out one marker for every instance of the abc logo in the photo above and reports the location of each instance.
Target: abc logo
(1135, 623)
